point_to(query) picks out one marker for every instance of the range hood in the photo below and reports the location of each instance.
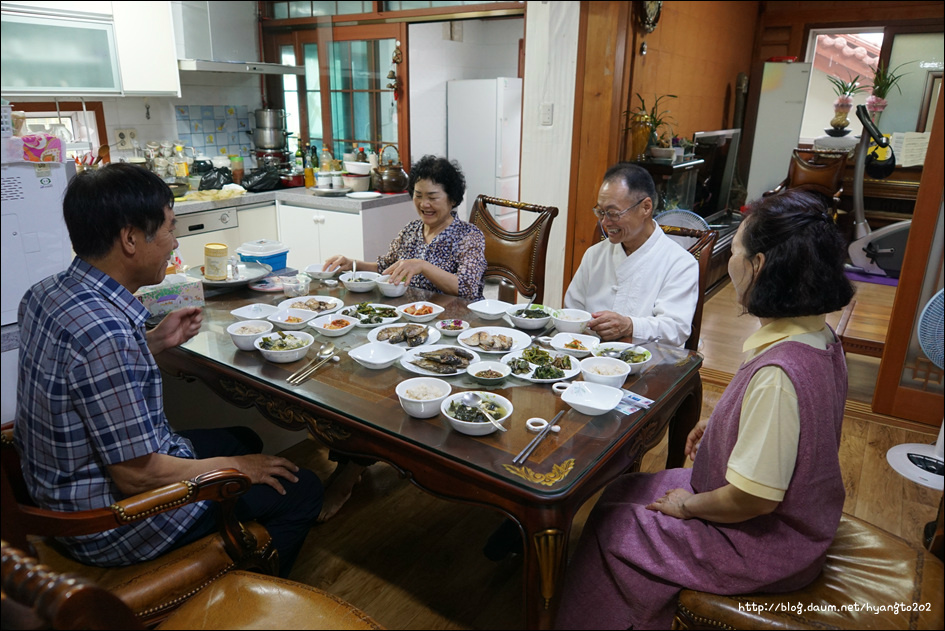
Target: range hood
(245, 67)
(221, 37)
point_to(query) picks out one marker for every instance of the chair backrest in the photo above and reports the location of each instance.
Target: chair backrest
(702, 250)
(516, 257)
(36, 597)
(818, 171)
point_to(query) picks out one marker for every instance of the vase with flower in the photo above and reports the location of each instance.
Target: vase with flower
(845, 91)
(884, 80)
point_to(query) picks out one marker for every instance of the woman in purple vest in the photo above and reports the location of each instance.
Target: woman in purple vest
(762, 502)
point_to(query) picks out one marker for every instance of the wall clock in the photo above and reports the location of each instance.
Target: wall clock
(650, 15)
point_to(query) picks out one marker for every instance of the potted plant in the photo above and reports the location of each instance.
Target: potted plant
(649, 120)
(884, 80)
(845, 90)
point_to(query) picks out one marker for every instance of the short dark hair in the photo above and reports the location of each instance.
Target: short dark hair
(635, 177)
(803, 270)
(439, 171)
(99, 203)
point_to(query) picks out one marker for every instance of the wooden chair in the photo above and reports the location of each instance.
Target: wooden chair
(865, 566)
(818, 171)
(34, 596)
(702, 250)
(153, 588)
(515, 259)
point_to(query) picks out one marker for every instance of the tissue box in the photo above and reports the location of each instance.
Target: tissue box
(174, 292)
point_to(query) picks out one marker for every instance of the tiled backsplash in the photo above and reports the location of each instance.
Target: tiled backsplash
(215, 129)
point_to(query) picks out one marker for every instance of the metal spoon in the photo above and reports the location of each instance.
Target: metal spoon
(473, 400)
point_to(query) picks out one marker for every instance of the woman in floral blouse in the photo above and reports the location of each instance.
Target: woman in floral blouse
(438, 252)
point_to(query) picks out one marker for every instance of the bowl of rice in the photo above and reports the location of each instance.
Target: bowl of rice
(245, 332)
(606, 370)
(421, 397)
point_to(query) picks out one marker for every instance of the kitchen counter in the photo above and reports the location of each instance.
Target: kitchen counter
(296, 197)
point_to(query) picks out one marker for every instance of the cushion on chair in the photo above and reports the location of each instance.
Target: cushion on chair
(242, 600)
(151, 588)
(865, 565)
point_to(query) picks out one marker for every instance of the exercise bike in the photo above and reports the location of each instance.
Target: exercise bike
(878, 252)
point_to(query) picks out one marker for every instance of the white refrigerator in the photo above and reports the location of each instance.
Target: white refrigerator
(484, 127)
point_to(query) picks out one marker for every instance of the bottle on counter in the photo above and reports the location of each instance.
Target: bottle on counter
(236, 167)
(309, 177)
(362, 157)
(299, 158)
(178, 162)
(324, 161)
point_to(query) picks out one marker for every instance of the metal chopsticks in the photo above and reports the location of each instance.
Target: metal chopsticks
(530, 447)
(301, 370)
(308, 372)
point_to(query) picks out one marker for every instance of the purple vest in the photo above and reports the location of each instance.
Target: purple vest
(792, 540)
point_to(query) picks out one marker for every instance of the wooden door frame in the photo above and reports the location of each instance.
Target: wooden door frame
(890, 396)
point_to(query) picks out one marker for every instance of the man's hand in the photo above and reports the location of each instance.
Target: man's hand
(610, 326)
(263, 469)
(176, 328)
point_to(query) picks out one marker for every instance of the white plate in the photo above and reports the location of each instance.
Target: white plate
(568, 374)
(269, 284)
(433, 333)
(336, 303)
(376, 305)
(520, 341)
(255, 311)
(413, 353)
(589, 341)
(248, 272)
(364, 195)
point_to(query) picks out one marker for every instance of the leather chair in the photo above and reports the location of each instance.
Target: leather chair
(818, 171)
(865, 566)
(153, 588)
(516, 259)
(702, 250)
(36, 597)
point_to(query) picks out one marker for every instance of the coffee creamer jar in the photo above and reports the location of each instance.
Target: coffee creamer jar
(215, 261)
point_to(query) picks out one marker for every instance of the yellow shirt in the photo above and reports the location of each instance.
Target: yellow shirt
(762, 461)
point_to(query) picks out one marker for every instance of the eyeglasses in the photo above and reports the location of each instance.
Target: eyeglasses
(614, 216)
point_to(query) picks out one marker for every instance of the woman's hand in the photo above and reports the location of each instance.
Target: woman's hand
(695, 438)
(176, 328)
(405, 269)
(610, 326)
(672, 504)
(337, 263)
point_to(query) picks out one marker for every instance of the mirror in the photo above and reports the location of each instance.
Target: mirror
(923, 55)
(933, 87)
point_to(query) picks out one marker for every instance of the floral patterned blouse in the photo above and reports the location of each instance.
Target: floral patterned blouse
(460, 249)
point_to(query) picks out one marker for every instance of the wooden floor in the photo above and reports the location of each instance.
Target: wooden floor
(414, 562)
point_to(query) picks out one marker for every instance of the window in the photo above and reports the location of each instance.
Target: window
(81, 126)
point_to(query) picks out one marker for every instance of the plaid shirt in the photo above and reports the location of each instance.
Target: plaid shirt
(89, 395)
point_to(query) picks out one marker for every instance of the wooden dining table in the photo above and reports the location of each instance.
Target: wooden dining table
(355, 411)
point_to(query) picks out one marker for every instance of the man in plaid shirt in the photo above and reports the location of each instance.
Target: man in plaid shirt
(90, 424)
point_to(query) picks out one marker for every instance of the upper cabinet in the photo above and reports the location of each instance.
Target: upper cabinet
(88, 49)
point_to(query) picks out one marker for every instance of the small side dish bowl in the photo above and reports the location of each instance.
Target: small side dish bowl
(570, 320)
(420, 311)
(451, 327)
(474, 370)
(534, 321)
(389, 289)
(315, 271)
(473, 428)
(321, 324)
(245, 332)
(421, 397)
(605, 370)
(255, 311)
(295, 286)
(489, 309)
(574, 344)
(359, 281)
(588, 397)
(291, 319)
(288, 355)
(635, 356)
(377, 355)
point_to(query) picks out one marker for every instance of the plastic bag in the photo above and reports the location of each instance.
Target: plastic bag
(216, 178)
(261, 180)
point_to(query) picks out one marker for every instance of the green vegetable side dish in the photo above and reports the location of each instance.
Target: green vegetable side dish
(537, 356)
(531, 313)
(548, 372)
(370, 315)
(476, 415)
(628, 355)
(286, 342)
(519, 366)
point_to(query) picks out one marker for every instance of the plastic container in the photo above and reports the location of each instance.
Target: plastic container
(271, 253)
(215, 261)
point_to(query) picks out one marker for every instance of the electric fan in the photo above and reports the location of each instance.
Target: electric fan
(682, 219)
(923, 463)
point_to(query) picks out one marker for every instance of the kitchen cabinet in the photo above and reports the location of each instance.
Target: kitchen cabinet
(69, 48)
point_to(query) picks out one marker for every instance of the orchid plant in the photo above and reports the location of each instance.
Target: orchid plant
(884, 80)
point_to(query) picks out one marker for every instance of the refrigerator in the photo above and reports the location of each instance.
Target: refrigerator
(484, 128)
(777, 126)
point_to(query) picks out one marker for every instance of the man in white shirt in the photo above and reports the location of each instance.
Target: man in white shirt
(638, 283)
